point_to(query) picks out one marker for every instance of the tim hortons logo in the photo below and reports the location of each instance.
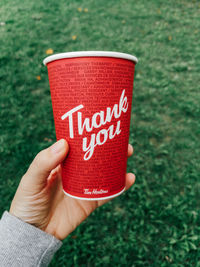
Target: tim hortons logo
(98, 119)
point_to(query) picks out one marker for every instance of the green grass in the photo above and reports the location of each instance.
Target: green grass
(156, 223)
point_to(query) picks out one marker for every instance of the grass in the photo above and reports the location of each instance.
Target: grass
(156, 223)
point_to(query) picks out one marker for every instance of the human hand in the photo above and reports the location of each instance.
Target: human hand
(40, 201)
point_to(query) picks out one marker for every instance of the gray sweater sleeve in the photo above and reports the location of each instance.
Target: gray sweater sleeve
(23, 245)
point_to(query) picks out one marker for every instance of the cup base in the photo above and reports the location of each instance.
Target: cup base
(96, 198)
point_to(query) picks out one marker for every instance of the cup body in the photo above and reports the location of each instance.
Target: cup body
(92, 99)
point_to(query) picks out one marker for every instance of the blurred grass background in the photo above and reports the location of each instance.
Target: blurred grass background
(156, 223)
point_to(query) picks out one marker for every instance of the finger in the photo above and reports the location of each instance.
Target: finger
(55, 182)
(130, 180)
(45, 161)
(53, 173)
(130, 150)
(54, 176)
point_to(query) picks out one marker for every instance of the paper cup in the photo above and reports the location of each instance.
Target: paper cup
(91, 94)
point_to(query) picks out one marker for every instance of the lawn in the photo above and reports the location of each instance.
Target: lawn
(157, 222)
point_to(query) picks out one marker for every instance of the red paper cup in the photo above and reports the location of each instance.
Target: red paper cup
(91, 96)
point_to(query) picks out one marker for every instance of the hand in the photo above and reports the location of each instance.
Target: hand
(40, 201)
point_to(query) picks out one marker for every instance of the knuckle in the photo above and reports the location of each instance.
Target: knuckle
(40, 159)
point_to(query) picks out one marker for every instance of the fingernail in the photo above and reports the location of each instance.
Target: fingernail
(58, 146)
(133, 178)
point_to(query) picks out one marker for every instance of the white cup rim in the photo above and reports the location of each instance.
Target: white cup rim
(90, 54)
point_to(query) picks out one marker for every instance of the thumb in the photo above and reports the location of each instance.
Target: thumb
(42, 165)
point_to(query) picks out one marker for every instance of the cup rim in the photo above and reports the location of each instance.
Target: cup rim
(89, 54)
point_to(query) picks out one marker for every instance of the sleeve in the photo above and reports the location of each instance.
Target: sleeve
(24, 245)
